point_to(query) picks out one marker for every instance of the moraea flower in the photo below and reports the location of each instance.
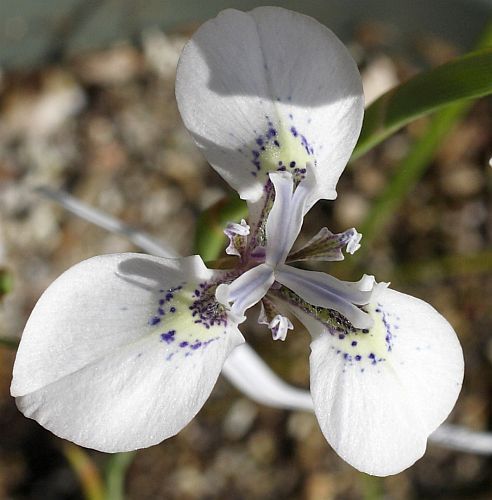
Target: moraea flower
(123, 350)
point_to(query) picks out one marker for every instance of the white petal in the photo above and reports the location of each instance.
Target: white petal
(246, 290)
(279, 326)
(266, 90)
(321, 289)
(327, 246)
(379, 395)
(237, 234)
(277, 323)
(112, 357)
(285, 218)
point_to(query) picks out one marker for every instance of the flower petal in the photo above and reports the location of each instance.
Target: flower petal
(246, 290)
(379, 395)
(286, 216)
(327, 246)
(121, 351)
(270, 90)
(277, 323)
(237, 234)
(320, 289)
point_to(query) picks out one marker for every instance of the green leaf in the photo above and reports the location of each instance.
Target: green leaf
(422, 152)
(409, 171)
(116, 469)
(6, 282)
(467, 77)
(86, 471)
(210, 238)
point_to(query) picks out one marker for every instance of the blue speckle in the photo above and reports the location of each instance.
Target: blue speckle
(168, 337)
(354, 343)
(153, 321)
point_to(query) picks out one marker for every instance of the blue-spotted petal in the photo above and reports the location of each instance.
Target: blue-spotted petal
(270, 90)
(121, 351)
(378, 395)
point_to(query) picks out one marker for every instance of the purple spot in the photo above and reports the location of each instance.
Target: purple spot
(183, 344)
(372, 355)
(276, 143)
(292, 164)
(173, 309)
(196, 345)
(168, 337)
(293, 130)
(358, 357)
(354, 343)
(259, 141)
(161, 302)
(341, 336)
(153, 321)
(169, 296)
(160, 311)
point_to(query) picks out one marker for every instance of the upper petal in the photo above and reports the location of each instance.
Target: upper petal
(270, 90)
(121, 351)
(286, 216)
(379, 395)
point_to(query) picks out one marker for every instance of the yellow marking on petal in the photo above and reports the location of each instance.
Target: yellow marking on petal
(291, 150)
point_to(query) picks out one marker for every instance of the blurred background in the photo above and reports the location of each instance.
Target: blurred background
(87, 105)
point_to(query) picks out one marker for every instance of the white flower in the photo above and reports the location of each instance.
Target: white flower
(123, 350)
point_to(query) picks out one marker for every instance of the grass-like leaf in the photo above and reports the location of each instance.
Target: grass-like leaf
(467, 77)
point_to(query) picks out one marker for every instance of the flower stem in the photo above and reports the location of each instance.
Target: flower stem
(86, 471)
(116, 468)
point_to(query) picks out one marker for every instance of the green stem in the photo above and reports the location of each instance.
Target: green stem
(372, 487)
(115, 474)
(86, 471)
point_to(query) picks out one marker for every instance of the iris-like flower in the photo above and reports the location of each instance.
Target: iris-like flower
(122, 351)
